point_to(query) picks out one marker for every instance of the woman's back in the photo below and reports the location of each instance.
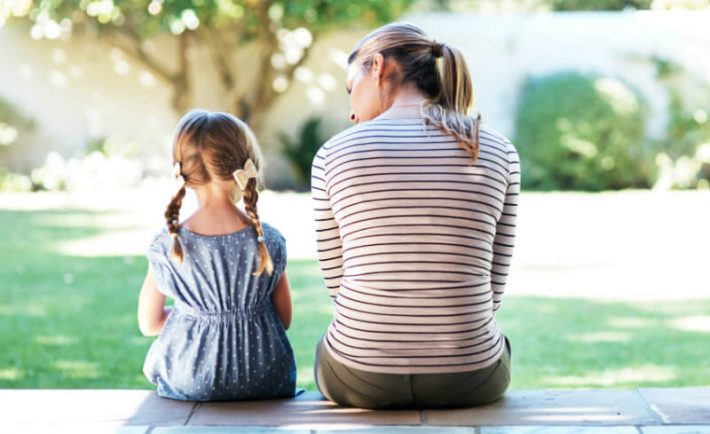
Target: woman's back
(412, 241)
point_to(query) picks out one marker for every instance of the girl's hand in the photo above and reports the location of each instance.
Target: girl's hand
(281, 297)
(152, 312)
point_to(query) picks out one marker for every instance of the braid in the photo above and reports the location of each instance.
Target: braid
(251, 196)
(172, 216)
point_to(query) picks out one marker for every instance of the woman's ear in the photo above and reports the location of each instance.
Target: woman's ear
(378, 67)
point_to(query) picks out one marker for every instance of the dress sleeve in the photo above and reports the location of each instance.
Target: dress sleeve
(281, 258)
(158, 255)
(330, 256)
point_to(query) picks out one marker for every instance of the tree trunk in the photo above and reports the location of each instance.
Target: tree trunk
(251, 104)
(182, 89)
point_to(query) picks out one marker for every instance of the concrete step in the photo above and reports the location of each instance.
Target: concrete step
(646, 411)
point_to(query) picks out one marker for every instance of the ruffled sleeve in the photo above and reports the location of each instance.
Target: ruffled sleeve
(277, 250)
(158, 255)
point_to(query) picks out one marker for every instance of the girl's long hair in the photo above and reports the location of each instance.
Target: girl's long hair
(212, 145)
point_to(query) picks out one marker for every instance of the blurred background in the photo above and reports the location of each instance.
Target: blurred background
(608, 103)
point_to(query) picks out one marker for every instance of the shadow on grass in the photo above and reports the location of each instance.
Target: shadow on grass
(70, 322)
(66, 321)
(581, 343)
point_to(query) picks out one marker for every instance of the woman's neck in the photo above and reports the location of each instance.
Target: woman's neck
(406, 104)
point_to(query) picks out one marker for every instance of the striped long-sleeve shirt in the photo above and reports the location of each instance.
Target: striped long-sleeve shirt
(415, 241)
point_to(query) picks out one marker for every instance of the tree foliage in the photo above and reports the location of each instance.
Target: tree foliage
(559, 5)
(280, 32)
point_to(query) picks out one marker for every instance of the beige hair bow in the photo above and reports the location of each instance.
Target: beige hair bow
(177, 174)
(242, 176)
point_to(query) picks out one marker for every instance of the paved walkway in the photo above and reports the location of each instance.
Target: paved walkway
(642, 411)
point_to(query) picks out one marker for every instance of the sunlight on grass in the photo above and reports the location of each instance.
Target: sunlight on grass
(55, 340)
(76, 220)
(629, 323)
(118, 234)
(108, 244)
(77, 368)
(305, 376)
(693, 324)
(116, 238)
(10, 374)
(34, 310)
(591, 338)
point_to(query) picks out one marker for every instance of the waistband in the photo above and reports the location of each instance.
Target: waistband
(224, 315)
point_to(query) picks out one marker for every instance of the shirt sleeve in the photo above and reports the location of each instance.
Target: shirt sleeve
(505, 230)
(328, 240)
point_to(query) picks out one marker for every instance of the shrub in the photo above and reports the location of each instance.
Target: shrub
(10, 181)
(582, 132)
(684, 151)
(301, 150)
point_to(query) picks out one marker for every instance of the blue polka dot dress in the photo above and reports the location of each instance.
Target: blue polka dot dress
(224, 339)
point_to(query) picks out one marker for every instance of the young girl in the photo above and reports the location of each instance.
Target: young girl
(225, 338)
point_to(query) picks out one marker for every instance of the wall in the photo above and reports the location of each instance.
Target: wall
(79, 89)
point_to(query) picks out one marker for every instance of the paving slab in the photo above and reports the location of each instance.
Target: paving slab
(298, 430)
(542, 429)
(72, 428)
(308, 409)
(229, 430)
(552, 407)
(682, 405)
(400, 430)
(646, 411)
(130, 407)
(676, 429)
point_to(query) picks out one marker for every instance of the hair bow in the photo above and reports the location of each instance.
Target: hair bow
(242, 176)
(177, 174)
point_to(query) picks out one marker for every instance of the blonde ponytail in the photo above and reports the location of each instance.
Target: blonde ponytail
(449, 111)
(446, 83)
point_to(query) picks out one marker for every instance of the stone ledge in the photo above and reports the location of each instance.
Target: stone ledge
(646, 411)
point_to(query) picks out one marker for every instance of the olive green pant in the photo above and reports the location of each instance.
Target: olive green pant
(356, 388)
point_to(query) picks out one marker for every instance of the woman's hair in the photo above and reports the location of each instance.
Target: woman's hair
(448, 87)
(212, 145)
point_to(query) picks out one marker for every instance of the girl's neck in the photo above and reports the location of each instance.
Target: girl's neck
(216, 214)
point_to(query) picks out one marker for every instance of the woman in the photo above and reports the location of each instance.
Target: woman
(415, 208)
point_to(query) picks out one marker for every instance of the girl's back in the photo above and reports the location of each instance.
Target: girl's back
(224, 339)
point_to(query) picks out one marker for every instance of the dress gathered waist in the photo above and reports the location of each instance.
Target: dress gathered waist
(224, 315)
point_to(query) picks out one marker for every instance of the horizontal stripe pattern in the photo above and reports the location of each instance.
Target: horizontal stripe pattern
(415, 241)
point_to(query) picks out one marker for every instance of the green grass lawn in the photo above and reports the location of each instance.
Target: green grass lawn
(70, 322)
